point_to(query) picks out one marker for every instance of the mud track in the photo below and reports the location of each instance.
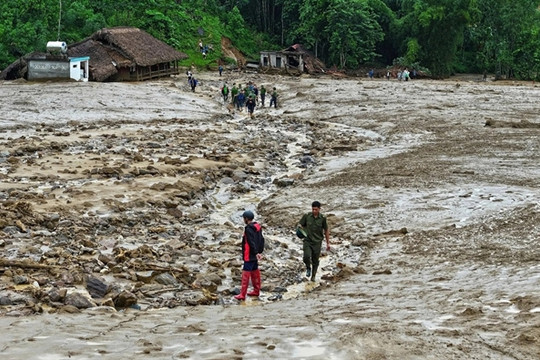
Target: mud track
(430, 188)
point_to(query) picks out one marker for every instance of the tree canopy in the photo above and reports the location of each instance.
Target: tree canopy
(438, 36)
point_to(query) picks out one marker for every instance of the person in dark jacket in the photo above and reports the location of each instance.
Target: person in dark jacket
(252, 248)
(240, 99)
(250, 104)
(193, 83)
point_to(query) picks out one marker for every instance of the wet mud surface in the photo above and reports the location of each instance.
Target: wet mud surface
(121, 203)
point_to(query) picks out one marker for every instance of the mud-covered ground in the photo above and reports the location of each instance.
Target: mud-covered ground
(120, 218)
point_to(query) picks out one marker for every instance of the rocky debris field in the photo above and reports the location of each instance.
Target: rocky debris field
(126, 199)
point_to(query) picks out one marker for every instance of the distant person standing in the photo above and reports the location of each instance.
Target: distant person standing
(252, 248)
(371, 73)
(220, 69)
(405, 75)
(273, 99)
(316, 228)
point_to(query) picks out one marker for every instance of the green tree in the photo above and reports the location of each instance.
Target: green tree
(504, 38)
(433, 31)
(352, 32)
(313, 22)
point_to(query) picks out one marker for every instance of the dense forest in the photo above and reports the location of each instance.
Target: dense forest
(440, 37)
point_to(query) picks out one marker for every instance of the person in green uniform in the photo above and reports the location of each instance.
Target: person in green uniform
(315, 226)
(273, 98)
(234, 94)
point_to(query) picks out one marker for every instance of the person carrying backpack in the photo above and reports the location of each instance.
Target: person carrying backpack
(250, 104)
(252, 248)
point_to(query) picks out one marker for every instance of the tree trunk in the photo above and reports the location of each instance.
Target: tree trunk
(282, 30)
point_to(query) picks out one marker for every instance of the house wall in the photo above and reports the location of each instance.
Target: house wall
(47, 69)
(282, 60)
(272, 59)
(73, 68)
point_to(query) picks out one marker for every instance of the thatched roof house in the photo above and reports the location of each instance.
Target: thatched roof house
(127, 53)
(116, 54)
(295, 58)
(19, 68)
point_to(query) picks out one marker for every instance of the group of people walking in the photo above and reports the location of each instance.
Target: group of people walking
(248, 96)
(404, 74)
(312, 228)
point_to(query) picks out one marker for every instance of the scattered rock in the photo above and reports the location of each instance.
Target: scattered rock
(79, 300)
(20, 279)
(96, 287)
(284, 182)
(125, 299)
(166, 279)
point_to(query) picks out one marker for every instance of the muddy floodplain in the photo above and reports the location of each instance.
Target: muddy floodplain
(120, 219)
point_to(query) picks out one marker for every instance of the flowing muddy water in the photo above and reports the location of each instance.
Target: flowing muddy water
(433, 217)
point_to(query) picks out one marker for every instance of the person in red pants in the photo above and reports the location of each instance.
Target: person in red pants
(252, 248)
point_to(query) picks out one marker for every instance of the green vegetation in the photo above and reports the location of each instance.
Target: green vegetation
(443, 36)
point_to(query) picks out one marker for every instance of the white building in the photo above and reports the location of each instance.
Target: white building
(293, 59)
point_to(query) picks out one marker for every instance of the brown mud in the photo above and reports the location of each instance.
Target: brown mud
(120, 217)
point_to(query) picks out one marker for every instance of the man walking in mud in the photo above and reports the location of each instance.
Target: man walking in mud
(252, 248)
(193, 83)
(273, 98)
(263, 94)
(234, 94)
(315, 226)
(250, 104)
(225, 92)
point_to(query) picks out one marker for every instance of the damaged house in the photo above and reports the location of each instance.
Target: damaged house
(293, 59)
(127, 54)
(114, 54)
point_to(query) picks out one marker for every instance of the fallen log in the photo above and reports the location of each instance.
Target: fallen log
(25, 264)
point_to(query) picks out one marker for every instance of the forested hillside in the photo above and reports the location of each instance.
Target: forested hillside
(439, 36)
